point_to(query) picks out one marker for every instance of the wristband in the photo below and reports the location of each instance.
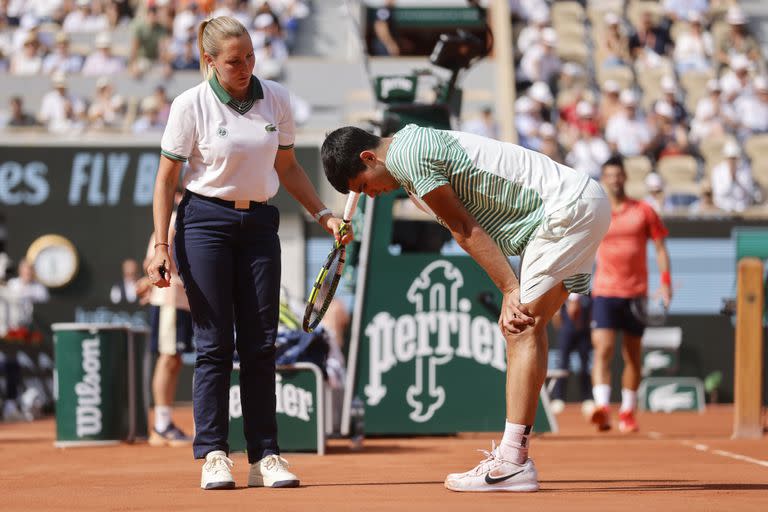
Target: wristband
(666, 278)
(319, 215)
(162, 243)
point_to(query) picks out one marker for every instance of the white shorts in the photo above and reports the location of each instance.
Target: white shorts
(564, 247)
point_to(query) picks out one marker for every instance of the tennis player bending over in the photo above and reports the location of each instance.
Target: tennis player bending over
(498, 200)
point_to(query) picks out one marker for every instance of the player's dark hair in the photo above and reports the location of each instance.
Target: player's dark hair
(614, 161)
(341, 155)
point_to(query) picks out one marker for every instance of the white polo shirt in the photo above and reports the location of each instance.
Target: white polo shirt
(231, 153)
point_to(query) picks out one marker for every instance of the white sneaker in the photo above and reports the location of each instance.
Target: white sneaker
(217, 471)
(271, 471)
(495, 474)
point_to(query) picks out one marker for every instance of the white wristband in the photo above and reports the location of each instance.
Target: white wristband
(319, 215)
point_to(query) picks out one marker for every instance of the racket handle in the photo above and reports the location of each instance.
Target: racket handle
(349, 208)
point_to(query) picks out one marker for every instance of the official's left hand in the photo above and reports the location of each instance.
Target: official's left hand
(333, 224)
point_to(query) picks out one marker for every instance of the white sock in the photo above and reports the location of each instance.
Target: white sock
(602, 395)
(514, 444)
(628, 400)
(162, 417)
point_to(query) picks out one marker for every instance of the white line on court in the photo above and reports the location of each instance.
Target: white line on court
(736, 456)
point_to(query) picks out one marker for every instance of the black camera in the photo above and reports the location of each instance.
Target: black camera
(457, 51)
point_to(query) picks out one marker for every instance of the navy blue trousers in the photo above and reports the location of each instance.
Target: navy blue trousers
(574, 338)
(229, 261)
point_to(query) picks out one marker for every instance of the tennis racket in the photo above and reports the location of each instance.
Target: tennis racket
(321, 294)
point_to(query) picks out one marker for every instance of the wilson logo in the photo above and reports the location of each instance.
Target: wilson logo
(88, 390)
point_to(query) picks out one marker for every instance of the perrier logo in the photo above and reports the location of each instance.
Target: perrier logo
(440, 329)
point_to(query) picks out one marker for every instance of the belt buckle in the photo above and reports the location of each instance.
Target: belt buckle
(242, 204)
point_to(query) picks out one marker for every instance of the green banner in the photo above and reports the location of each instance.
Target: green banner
(669, 394)
(434, 17)
(427, 356)
(300, 410)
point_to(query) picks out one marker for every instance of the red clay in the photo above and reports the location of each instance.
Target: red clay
(672, 464)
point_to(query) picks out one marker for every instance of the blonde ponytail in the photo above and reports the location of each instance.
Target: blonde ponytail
(211, 33)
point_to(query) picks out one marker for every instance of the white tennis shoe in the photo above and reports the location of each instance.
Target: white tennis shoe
(271, 471)
(217, 471)
(495, 474)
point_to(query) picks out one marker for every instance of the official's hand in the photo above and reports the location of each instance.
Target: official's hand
(158, 268)
(333, 226)
(515, 317)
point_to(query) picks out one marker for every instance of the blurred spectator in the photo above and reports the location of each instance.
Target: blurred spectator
(125, 289)
(548, 144)
(705, 204)
(102, 62)
(163, 104)
(29, 61)
(60, 111)
(670, 137)
(17, 116)
(540, 62)
(526, 9)
(235, 9)
(670, 89)
(733, 186)
(26, 287)
(268, 39)
(290, 13)
(484, 124)
(752, 110)
(736, 82)
(590, 151)
(571, 75)
(186, 20)
(60, 59)
(738, 41)
(107, 108)
(694, 48)
(527, 121)
(609, 102)
(649, 38)
(680, 10)
(714, 116)
(614, 43)
(530, 35)
(654, 188)
(188, 57)
(148, 39)
(385, 31)
(149, 120)
(88, 16)
(541, 95)
(627, 133)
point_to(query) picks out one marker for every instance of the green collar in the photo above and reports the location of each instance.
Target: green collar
(257, 93)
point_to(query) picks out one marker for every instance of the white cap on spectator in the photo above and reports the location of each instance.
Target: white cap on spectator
(761, 83)
(573, 69)
(102, 82)
(262, 21)
(713, 85)
(549, 36)
(664, 109)
(739, 62)
(540, 16)
(149, 103)
(162, 3)
(540, 92)
(59, 79)
(585, 109)
(668, 84)
(611, 87)
(524, 105)
(611, 18)
(628, 98)
(654, 182)
(694, 17)
(731, 149)
(103, 40)
(546, 131)
(735, 16)
(83, 3)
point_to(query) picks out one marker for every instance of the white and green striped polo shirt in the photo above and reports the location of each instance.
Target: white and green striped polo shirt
(507, 188)
(230, 146)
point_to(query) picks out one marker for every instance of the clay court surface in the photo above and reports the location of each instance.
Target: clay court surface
(681, 461)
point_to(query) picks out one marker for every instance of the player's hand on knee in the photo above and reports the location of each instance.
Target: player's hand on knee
(515, 317)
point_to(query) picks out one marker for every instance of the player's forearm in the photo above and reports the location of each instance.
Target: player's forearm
(483, 249)
(662, 257)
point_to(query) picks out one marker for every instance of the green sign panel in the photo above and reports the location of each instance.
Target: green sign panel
(669, 394)
(426, 356)
(437, 17)
(660, 361)
(99, 386)
(300, 409)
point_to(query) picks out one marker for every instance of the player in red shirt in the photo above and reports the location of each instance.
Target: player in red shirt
(620, 288)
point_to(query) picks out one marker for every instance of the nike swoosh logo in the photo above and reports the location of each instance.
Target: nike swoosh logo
(490, 480)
